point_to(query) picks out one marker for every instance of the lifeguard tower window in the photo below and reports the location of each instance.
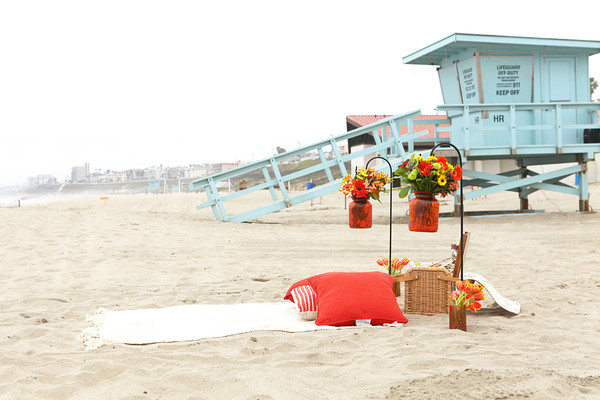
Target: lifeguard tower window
(591, 136)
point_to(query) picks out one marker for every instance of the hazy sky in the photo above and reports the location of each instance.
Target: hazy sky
(129, 84)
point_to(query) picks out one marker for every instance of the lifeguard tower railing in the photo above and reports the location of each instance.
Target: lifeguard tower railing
(389, 143)
(530, 134)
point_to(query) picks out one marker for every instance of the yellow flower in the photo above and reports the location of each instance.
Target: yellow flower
(432, 159)
(418, 159)
(442, 180)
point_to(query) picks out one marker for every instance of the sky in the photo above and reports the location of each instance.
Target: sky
(133, 84)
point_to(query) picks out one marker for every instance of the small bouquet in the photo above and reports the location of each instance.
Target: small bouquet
(367, 183)
(397, 265)
(434, 174)
(467, 294)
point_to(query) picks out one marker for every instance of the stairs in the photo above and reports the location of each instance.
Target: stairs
(331, 166)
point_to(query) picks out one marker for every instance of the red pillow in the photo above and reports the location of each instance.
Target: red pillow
(344, 297)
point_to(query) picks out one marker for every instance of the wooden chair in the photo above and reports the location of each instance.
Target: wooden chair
(427, 289)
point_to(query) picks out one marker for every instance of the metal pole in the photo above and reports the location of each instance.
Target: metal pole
(462, 206)
(391, 186)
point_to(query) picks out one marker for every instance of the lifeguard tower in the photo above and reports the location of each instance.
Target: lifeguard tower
(513, 104)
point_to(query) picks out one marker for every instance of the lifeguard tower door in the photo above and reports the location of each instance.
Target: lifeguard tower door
(559, 81)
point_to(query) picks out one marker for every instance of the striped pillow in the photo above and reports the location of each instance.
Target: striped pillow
(305, 299)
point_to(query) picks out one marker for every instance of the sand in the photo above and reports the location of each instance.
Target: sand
(62, 260)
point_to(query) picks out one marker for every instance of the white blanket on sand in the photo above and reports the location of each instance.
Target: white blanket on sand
(191, 322)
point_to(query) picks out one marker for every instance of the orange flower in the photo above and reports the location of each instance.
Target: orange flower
(474, 306)
(467, 294)
(397, 265)
(457, 173)
(478, 297)
(425, 167)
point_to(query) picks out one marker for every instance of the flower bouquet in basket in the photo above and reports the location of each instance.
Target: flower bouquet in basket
(366, 184)
(427, 178)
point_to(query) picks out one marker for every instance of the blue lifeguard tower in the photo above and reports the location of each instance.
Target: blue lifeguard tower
(520, 101)
(512, 103)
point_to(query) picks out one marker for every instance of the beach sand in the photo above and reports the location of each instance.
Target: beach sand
(62, 260)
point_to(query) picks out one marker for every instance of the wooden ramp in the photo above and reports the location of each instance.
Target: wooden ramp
(330, 163)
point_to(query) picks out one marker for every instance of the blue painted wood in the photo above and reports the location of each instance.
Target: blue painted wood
(324, 161)
(486, 180)
(385, 145)
(457, 43)
(211, 202)
(269, 183)
(280, 183)
(512, 183)
(471, 138)
(217, 199)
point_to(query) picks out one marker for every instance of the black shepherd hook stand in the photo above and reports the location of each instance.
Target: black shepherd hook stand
(391, 186)
(461, 244)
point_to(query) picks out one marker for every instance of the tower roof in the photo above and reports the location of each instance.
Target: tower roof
(448, 47)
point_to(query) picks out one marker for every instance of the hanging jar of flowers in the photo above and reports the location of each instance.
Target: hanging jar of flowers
(366, 184)
(427, 178)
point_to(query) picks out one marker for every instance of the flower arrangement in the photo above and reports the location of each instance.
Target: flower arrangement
(434, 174)
(467, 294)
(367, 183)
(397, 265)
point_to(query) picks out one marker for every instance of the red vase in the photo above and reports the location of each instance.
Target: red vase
(423, 213)
(360, 213)
(458, 317)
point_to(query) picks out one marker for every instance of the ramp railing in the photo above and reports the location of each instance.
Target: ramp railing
(275, 172)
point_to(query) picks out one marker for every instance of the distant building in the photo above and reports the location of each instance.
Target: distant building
(135, 174)
(196, 171)
(79, 174)
(46, 179)
(175, 173)
(37, 181)
(152, 173)
(222, 167)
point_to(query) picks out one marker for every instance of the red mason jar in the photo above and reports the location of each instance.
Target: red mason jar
(360, 213)
(423, 213)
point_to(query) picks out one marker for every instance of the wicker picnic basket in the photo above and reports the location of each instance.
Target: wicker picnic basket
(426, 290)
